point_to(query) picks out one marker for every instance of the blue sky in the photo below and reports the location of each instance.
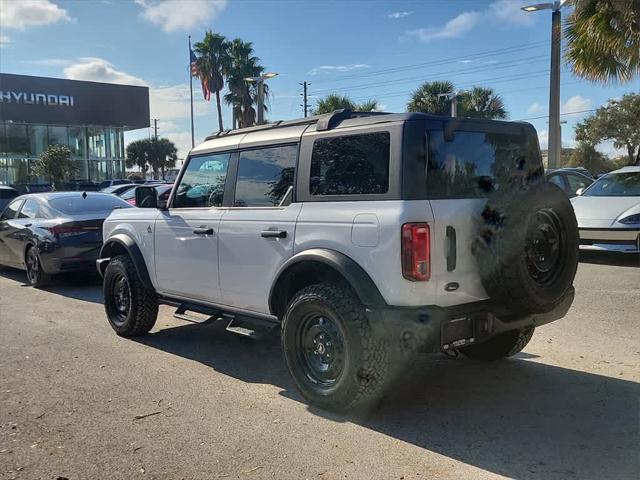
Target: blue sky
(365, 49)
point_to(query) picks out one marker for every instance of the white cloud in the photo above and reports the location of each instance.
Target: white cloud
(21, 14)
(543, 138)
(501, 12)
(535, 108)
(172, 102)
(455, 27)
(182, 141)
(510, 13)
(338, 68)
(99, 70)
(4, 40)
(397, 15)
(174, 15)
(466, 61)
(575, 104)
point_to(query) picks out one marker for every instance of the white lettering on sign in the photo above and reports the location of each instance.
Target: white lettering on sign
(36, 99)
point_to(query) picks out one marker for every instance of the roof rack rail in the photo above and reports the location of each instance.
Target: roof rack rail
(326, 121)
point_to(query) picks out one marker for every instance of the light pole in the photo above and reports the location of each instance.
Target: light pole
(555, 140)
(259, 81)
(453, 96)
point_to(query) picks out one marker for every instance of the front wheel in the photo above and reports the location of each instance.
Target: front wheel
(132, 308)
(505, 344)
(336, 359)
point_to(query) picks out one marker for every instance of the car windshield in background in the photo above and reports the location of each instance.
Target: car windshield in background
(71, 205)
(623, 184)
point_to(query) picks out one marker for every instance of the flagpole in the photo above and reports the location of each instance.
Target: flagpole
(193, 143)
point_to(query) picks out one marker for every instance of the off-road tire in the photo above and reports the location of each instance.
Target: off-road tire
(143, 305)
(505, 344)
(38, 278)
(505, 249)
(366, 366)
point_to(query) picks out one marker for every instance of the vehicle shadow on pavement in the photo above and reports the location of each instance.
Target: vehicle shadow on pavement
(517, 418)
(80, 286)
(615, 259)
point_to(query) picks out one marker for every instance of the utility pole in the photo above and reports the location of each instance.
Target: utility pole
(453, 98)
(155, 128)
(305, 98)
(555, 142)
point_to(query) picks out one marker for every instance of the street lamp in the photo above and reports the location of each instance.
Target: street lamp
(259, 81)
(555, 141)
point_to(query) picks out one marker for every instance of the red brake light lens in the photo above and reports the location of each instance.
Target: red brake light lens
(416, 252)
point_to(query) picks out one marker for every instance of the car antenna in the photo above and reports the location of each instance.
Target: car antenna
(84, 194)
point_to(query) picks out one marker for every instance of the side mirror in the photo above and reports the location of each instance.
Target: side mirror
(580, 191)
(146, 197)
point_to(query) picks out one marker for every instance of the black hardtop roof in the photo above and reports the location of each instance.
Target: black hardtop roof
(332, 120)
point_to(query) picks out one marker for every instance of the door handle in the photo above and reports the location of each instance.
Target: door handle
(273, 234)
(203, 231)
(28, 224)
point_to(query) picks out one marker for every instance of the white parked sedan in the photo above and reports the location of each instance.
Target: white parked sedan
(608, 212)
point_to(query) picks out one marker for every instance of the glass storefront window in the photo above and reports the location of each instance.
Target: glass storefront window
(17, 140)
(98, 170)
(120, 142)
(3, 139)
(58, 136)
(96, 142)
(77, 141)
(37, 139)
(17, 170)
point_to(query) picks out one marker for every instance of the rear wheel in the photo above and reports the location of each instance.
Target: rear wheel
(332, 353)
(132, 308)
(505, 344)
(36, 276)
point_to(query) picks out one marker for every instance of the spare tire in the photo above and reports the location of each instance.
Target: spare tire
(527, 248)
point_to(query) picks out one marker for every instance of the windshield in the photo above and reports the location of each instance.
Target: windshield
(623, 184)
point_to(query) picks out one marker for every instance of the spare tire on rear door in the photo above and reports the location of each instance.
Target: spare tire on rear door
(527, 248)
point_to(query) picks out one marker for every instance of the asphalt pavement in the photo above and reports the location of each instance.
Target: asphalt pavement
(197, 402)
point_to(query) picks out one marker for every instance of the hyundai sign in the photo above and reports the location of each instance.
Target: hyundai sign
(54, 101)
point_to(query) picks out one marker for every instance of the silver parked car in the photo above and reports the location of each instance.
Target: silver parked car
(608, 212)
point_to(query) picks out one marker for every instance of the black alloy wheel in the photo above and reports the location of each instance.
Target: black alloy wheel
(36, 277)
(121, 297)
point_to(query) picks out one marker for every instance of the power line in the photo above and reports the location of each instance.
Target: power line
(562, 114)
(444, 61)
(464, 71)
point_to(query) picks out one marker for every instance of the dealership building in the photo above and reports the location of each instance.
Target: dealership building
(89, 117)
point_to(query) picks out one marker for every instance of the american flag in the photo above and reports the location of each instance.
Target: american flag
(194, 65)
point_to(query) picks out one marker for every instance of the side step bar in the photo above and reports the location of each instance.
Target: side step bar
(251, 327)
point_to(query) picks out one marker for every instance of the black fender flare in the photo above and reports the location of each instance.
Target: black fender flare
(348, 268)
(122, 240)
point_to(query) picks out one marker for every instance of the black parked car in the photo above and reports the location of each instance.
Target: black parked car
(50, 233)
(6, 195)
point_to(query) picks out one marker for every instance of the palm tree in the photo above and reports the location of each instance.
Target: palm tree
(212, 56)
(335, 101)
(481, 102)
(426, 98)
(241, 63)
(604, 39)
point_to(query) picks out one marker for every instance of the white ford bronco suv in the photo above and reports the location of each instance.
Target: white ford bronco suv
(364, 236)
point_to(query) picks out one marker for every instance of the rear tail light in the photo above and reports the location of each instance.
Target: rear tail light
(416, 252)
(58, 230)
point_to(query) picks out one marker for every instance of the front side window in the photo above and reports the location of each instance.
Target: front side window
(202, 184)
(265, 175)
(351, 165)
(11, 211)
(473, 164)
(29, 209)
(577, 181)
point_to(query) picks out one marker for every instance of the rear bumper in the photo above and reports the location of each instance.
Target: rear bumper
(54, 263)
(434, 328)
(610, 240)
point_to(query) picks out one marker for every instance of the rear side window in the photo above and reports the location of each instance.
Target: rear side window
(29, 209)
(265, 175)
(350, 165)
(76, 204)
(474, 164)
